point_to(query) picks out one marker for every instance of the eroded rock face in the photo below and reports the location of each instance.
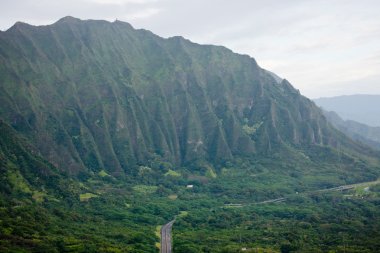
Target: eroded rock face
(94, 94)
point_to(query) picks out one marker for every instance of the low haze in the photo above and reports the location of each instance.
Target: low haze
(324, 48)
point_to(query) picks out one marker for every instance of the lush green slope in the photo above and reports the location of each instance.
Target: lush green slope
(23, 171)
(42, 210)
(104, 126)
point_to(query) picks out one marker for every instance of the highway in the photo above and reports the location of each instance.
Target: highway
(338, 188)
(166, 237)
(166, 230)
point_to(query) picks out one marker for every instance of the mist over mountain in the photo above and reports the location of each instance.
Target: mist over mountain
(108, 132)
(361, 108)
(357, 131)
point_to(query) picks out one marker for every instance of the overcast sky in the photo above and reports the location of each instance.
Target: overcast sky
(324, 48)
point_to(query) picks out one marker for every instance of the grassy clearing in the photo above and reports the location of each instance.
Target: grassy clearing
(87, 196)
(103, 173)
(18, 181)
(210, 173)
(173, 173)
(173, 196)
(38, 196)
(183, 213)
(145, 189)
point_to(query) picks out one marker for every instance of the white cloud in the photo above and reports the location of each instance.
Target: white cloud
(142, 14)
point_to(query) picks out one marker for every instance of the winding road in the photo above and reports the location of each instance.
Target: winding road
(166, 230)
(338, 188)
(166, 237)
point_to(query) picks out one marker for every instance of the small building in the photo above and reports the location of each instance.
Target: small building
(189, 186)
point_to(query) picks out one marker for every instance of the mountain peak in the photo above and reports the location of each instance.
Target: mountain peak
(19, 25)
(22, 25)
(68, 19)
(117, 21)
(73, 20)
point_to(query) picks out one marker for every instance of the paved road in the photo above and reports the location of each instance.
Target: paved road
(338, 188)
(272, 201)
(166, 237)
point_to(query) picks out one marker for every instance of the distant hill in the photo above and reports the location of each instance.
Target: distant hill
(357, 131)
(361, 108)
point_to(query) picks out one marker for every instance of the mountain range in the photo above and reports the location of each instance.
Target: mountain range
(362, 108)
(357, 131)
(93, 95)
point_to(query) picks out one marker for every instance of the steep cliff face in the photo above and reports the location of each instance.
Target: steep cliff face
(100, 95)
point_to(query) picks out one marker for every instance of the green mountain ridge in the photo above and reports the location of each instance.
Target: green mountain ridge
(99, 95)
